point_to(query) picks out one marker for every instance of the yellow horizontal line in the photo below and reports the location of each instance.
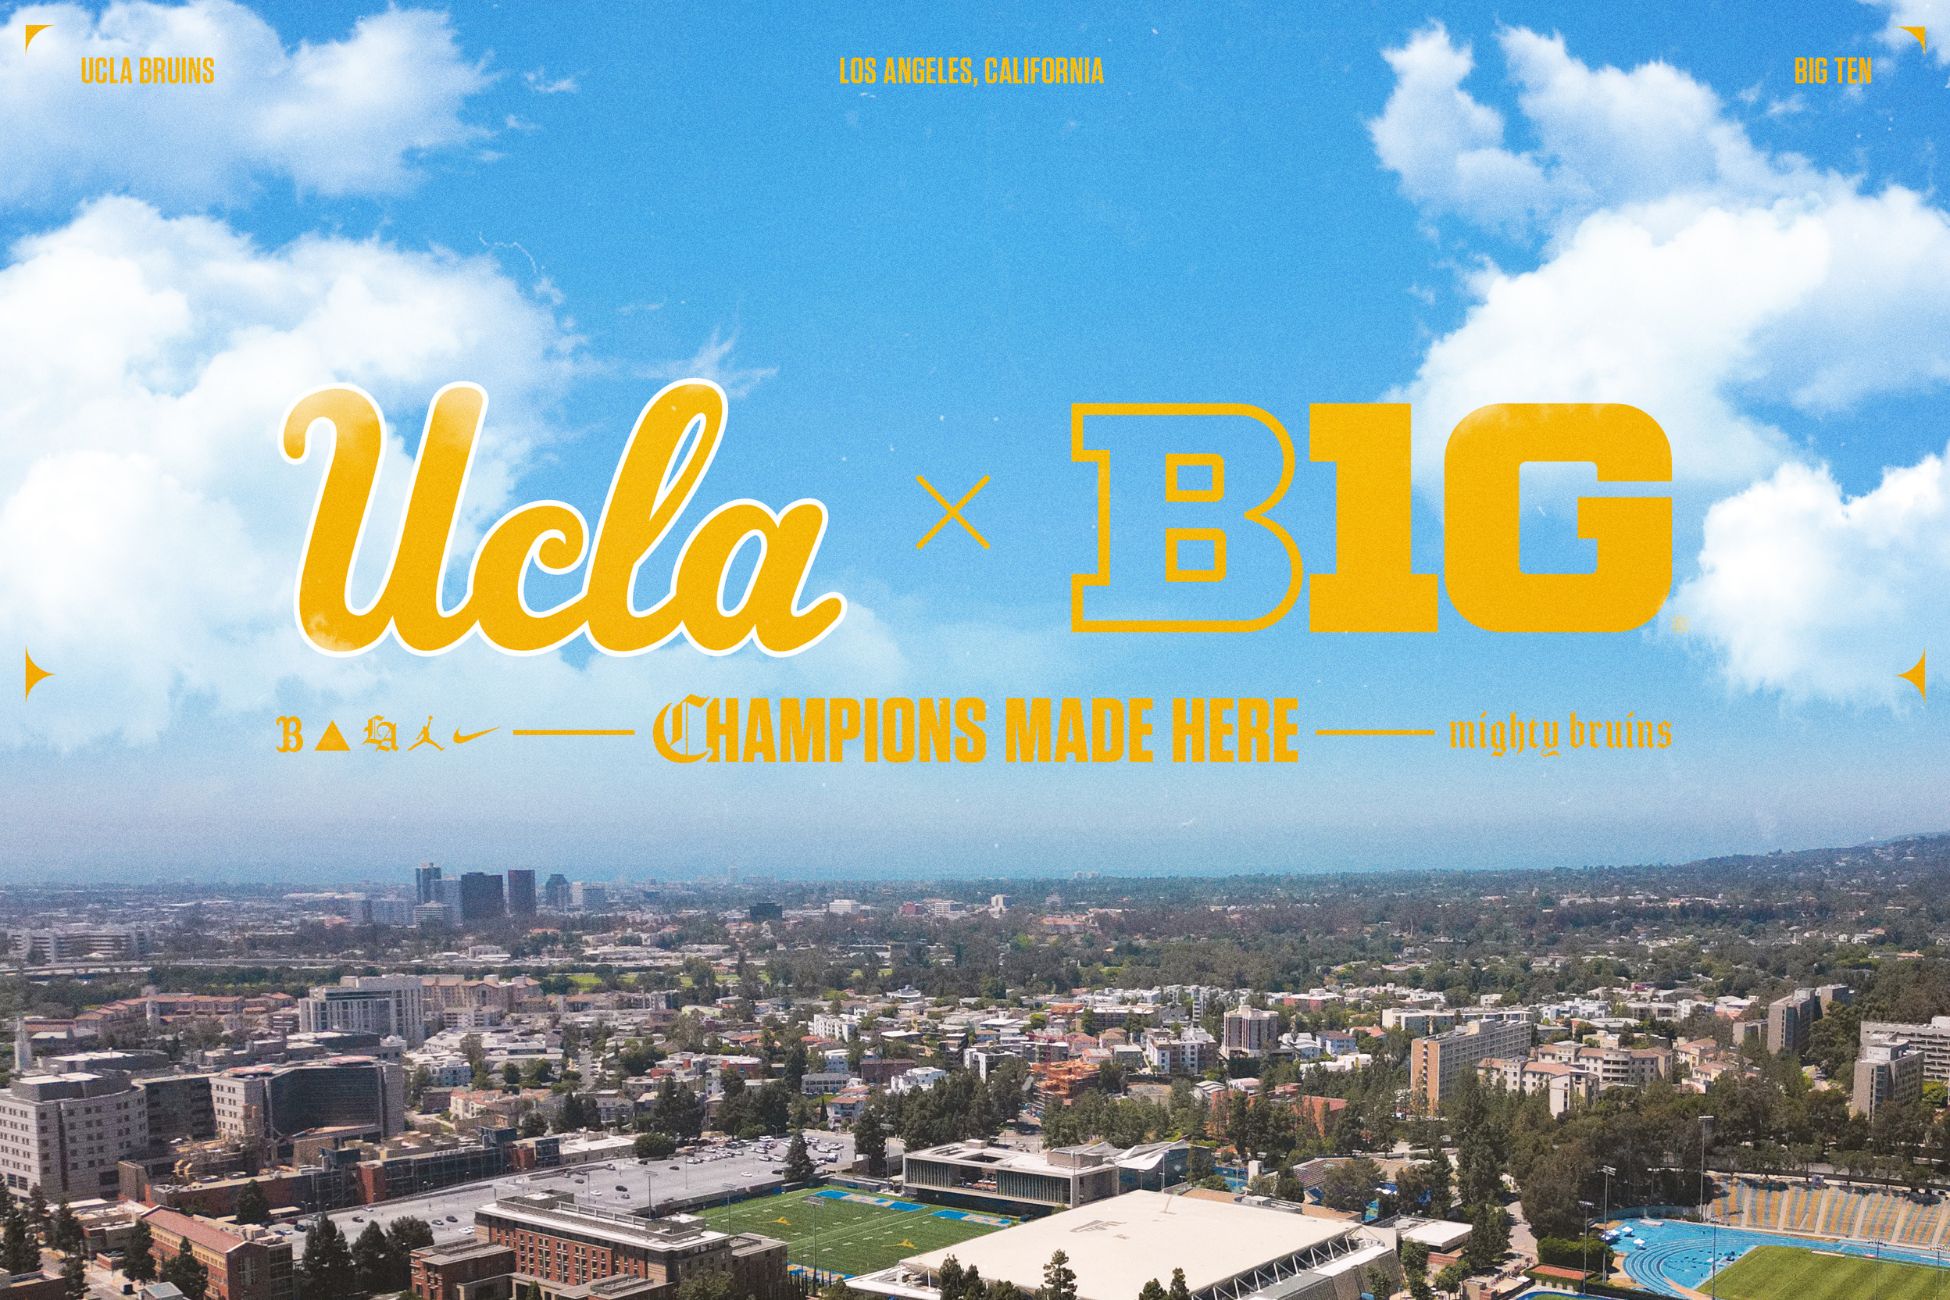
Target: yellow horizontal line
(1372, 732)
(575, 731)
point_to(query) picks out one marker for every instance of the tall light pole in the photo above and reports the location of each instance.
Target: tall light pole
(1584, 1247)
(1604, 1216)
(1713, 1264)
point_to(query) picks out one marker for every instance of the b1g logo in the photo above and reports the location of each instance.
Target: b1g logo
(1373, 587)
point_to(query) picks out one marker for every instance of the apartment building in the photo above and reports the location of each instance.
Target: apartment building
(1562, 1086)
(387, 1005)
(1932, 1039)
(1888, 1072)
(1249, 1031)
(1437, 1065)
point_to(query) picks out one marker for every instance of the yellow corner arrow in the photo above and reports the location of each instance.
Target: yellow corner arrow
(35, 675)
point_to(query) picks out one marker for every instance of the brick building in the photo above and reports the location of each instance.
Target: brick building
(243, 1263)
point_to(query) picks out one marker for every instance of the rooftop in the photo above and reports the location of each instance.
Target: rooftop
(1117, 1245)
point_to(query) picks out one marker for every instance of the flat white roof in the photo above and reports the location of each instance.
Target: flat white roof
(1117, 1245)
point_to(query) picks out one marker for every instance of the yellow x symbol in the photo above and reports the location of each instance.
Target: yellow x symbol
(952, 512)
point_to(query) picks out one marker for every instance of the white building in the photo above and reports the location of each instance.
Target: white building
(66, 1132)
(368, 1004)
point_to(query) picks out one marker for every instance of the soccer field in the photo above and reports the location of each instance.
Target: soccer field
(1771, 1272)
(839, 1231)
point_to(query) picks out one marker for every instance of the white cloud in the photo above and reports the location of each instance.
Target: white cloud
(1683, 269)
(713, 361)
(1604, 137)
(1932, 15)
(538, 80)
(1815, 594)
(155, 527)
(1446, 147)
(340, 117)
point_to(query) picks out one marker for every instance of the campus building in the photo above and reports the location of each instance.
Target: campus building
(545, 1247)
(977, 1175)
(1932, 1039)
(1438, 1065)
(1228, 1252)
(242, 1263)
(1888, 1072)
(274, 1103)
(67, 1133)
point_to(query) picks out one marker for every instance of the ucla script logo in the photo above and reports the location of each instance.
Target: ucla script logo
(661, 467)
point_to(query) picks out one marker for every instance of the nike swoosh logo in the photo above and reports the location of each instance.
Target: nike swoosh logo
(462, 740)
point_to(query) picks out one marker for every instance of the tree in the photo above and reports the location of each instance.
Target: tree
(19, 1252)
(188, 1276)
(1415, 1260)
(1489, 1237)
(1152, 1290)
(533, 1125)
(405, 1235)
(64, 1230)
(1059, 1279)
(372, 1259)
(870, 1139)
(708, 1286)
(74, 1278)
(253, 1206)
(511, 1074)
(1350, 1184)
(328, 1272)
(798, 1162)
(1178, 1290)
(36, 1207)
(677, 1110)
(654, 1145)
(139, 1260)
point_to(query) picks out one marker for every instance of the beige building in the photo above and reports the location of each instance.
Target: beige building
(66, 1132)
(1888, 1072)
(1438, 1065)
(1250, 1031)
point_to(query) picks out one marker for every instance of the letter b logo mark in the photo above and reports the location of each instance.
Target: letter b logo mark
(1210, 559)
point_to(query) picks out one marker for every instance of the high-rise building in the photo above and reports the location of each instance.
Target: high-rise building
(1789, 1019)
(1889, 1072)
(556, 894)
(1437, 1065)
(67, 1132)
(178, 1107)
(1250, 1031)
(1931, 1037)
(426, 880)
(271, 1103)
(587, 897)
(368, 1004)
(521, 892)
(481, 898)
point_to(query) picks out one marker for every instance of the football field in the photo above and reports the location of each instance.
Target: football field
(841, 1231)
(1771, 1272)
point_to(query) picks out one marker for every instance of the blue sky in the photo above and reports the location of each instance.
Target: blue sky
(922, 280)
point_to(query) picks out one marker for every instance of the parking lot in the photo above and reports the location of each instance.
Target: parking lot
(687, 1180)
